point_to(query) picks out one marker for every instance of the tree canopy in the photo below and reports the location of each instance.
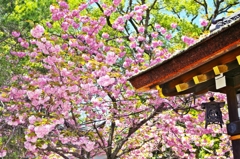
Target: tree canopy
(70, 97)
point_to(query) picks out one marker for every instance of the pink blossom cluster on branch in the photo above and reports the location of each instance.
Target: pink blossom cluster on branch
(75, 99)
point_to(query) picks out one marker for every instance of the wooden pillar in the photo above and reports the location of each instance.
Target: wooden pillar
(233, 116)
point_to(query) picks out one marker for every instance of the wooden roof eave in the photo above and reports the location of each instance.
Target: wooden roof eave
(199, 58)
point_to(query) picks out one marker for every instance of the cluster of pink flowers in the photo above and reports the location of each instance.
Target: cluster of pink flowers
(168, 36)
(174, 25)
(19, 54)
(41, 131)
(37, 32)
(119, 23)
(86, 76)
(105, 81)
(154, 34)
(203, 22)
(15, 34)
(111, 58)
(108, 11)
(63, 4)
(163, 30)
(3, 153)
(105, 35)
(156, 43)
(188, 40)
(116, 2)
(141, 29)
(139, 12)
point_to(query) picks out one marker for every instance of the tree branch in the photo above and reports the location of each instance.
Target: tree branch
(176, 13)
(194, 18)
(107, 17)
(3, 39)
(199, 2)
(57, 152)
(112, 128)
(100, 137)
(136, 127)
(134, 26)
(129, 6)
(151, 7)
(135, 148)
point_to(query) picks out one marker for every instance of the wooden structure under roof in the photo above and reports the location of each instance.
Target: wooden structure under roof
(220, 48)
(196, 69)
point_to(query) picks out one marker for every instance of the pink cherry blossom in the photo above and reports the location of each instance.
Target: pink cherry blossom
(53, 9)
(203, 22)
(34, 94)
(116, 2)
(141, 38)
(174, 25)
(138, 18)
(15, 34)
(3, 153)
(105, 35)
(82, 6)
(120, 28)
(105, 81)
(93, 1)
(75, 25)
(63, 4)
(20, 40)
(32, 139)
(109, 11)
(154, 34)
(64, 36)
(131, 38)
(157, 26)
(24, 44)
(74, 88)
(122, 54)
(133, 44)
(75, 13)
(141, 29)
(41, 131)
(163, 30)
(49, 25)
(29, 146)
(44, 146)
(32, 119)
(188, 40)
(136, 7)
(89, 146)
(37, 32)
(111, 58)
(65, 26)
(156, 44)
(168, 36)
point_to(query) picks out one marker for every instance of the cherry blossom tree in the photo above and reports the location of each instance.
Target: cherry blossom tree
(74, 100)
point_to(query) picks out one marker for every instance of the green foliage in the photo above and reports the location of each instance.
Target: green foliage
(14, 144)
(21, 16)
(74, 4)
(188, 6)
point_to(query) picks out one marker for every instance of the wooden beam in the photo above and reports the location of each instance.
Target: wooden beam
(219, 48)
(200, 78)
(233, 81)
(182, 87)
(220, 69)
(197, 89)
(233, 116)
(169, 88)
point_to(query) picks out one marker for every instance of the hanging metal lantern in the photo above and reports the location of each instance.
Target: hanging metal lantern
(213, 113)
